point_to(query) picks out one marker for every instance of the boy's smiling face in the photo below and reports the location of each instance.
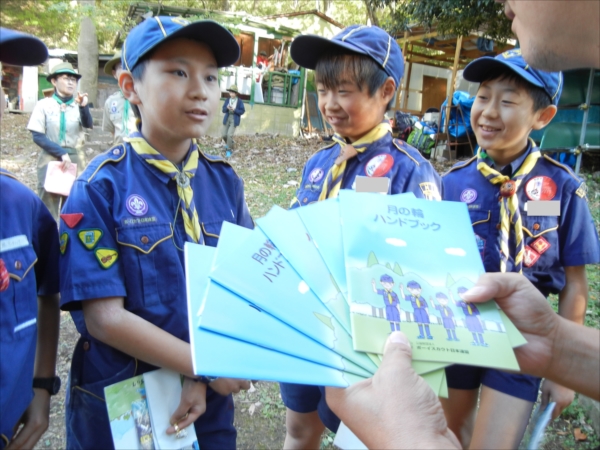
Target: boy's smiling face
(352, 112)
(502, 117)
(178, 94)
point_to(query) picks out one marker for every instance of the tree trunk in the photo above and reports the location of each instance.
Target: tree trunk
(371, 13)
(225, 6)
(87, 59)
(326, 6)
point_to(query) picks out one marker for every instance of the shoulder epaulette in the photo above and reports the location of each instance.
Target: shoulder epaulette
(217, 159)
(562, 166)
(461, 165)
(403, 147)
(112, 155)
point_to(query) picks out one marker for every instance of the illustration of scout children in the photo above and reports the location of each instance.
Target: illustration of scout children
(419, 305)
(446, 313)
(472, 319)
(390, 299)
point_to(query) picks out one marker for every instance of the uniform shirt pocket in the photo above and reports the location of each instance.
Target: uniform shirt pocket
(150, 259)
(18, 304)
(211, 232)
(541, 238)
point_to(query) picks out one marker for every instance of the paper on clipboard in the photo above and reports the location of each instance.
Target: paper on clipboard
(57, 181)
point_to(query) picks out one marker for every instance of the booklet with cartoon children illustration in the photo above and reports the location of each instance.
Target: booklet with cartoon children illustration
(221, 354)
(139, 410)
(408, 261)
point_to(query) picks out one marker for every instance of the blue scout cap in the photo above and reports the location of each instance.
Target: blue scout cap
(21, 49)
(550, 82)
(386, 279)
(366, 40)
(151, 32)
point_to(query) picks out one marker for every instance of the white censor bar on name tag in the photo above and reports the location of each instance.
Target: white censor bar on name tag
(543, 208)
(373, 184)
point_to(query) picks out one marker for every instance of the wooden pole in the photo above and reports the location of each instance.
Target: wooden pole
(406, 91)
(451, 93)
(401, 87)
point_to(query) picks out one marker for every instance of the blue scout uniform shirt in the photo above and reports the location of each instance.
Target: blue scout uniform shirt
(552, 242)
(29, 249)
(127, 243)
(447, 316)
(386, 157)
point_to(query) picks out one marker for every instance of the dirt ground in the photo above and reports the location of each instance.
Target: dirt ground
(271, 167)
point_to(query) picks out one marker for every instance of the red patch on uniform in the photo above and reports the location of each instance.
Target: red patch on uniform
(540, 245)
(541, 188)
(379, 165)
(72, 219)
(530, 257)
(4, 278)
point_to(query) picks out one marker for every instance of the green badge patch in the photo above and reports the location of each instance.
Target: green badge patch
(106, 257)
(64, 238)
(89, 238)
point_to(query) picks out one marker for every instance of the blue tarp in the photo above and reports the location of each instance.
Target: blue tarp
(456, 127)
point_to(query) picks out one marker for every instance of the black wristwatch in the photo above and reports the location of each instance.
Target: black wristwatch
(204, 379)
(52, 384)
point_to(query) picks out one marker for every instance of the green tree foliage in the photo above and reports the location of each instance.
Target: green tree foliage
(449, 281)
(451, 17)
(398, 269)
(388, 265)
(56, 22)
(372, 260)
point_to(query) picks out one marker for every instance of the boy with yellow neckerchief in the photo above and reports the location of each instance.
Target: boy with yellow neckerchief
(530, 216)
(357, 74)
(125, 224)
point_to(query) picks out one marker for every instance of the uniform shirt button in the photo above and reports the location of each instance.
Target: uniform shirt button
(86, 346)
(536, 226)
(145, 239)
(18, 265)
(116, 151)
(305, 200)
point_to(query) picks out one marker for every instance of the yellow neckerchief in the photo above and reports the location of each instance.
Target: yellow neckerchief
(389, 296)
(509, 204)
(418, 302)
(182, 178)
(333, 180)
(469, 309)
(445, 310)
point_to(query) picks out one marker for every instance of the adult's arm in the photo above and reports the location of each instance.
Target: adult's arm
(240, 109)
(557, 349)
(86, 117)
(46, 144)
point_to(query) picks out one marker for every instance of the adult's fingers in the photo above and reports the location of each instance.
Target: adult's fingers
(499, 285)
(28, 436)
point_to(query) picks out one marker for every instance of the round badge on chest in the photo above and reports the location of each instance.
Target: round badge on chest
(379, 165)
(540, 188)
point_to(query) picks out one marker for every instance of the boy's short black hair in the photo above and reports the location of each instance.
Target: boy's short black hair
(540, 98)
(138, 71)
(336, 66)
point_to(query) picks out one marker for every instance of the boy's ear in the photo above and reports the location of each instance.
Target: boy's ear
(388, 89)
(544, 116)
(127, 85)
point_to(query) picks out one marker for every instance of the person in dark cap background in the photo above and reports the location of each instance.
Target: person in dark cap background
(233, 108)
(57, 126)
(29, 282)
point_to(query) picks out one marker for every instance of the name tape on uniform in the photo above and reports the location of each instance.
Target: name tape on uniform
(543, 208)
(11, 243)
(373, 184)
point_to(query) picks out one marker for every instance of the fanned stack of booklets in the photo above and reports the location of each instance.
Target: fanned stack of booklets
(311, 295)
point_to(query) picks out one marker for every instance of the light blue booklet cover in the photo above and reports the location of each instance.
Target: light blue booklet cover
(215, 354)
(259, 273)
(286, 230)
(407, 263)
(228, 314)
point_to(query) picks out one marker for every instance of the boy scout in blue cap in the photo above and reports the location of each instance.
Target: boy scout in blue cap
(29, 313)
(357, 74)
(125, 225)
(531, 216)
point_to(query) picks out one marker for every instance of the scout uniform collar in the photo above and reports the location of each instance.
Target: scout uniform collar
(335, 176)
(510, 214)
